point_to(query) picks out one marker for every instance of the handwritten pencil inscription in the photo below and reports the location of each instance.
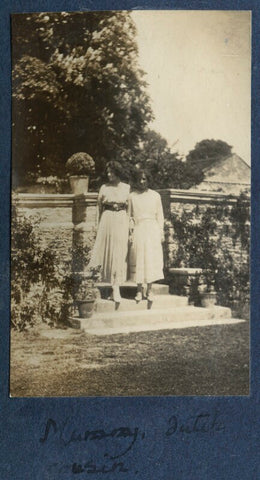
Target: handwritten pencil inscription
(111, 445)
(200, 423)
(66, 437)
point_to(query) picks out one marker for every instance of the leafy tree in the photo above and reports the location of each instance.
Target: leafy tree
(76, 87)
(166, 168)
(152, 153)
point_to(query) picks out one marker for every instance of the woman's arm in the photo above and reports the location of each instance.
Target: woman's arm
(99, 205)
(160, 216)
(131, 219)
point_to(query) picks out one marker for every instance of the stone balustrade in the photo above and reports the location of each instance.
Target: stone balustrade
(66, 218)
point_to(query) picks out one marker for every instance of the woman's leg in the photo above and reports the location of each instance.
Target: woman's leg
(139, 296)
(149, 292)
(116, 293)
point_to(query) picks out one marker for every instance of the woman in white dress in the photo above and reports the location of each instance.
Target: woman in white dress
(146, 234)
(110, 249)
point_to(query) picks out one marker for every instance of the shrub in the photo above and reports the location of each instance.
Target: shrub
(36, 276)
(199, 236)
(80, 164)
(41, 287)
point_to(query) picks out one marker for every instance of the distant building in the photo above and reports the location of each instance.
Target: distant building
(228, 175)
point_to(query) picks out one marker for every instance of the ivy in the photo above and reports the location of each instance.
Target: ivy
(200, 238)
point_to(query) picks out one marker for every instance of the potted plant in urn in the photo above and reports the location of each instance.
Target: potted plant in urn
(208, 295)
(79, 166)
(87, 293)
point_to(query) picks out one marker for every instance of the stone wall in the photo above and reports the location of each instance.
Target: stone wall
(177, 201)
(54, 212)
(57, 219)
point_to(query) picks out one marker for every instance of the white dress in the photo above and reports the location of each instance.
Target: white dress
(146, 213)
(110, 249)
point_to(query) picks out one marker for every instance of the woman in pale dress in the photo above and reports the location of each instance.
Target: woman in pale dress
(110, 249)
(146, 234)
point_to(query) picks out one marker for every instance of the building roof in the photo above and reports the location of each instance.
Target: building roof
(230, 174)
(230, 169)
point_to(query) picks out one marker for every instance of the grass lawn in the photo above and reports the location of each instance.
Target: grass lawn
(210, 360)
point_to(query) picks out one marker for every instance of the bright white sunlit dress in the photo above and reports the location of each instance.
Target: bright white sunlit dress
(146, 213)
(110, 249)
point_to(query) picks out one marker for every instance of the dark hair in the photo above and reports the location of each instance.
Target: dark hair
(138, 172)
(115, 167)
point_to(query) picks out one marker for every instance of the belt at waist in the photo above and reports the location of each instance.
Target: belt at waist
(114, 207)
(141, 219)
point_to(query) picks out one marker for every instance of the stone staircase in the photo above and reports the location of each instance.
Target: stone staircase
(166, 312)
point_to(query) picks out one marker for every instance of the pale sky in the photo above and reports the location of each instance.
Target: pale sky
(198, 66)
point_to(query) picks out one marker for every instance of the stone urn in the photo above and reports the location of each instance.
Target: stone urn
(87, 294)
(208, 296)
(86, 308)
(79, 167)
(79, 184)
(86, 298)
(208, 299)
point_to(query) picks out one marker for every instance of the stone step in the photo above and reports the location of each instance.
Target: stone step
(162, 326)
(128, 289)
(142, 320)
(160, 301)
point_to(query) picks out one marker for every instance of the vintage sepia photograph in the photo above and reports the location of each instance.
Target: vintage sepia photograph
(130, 223)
